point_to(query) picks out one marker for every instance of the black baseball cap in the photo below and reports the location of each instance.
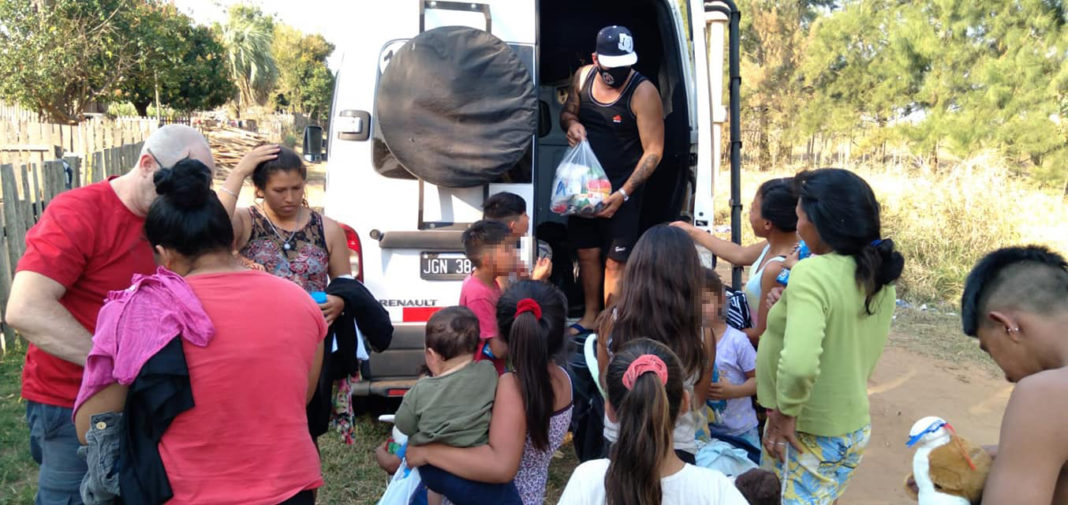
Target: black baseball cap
(615, 47)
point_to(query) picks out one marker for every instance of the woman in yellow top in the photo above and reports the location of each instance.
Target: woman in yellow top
(824, 337)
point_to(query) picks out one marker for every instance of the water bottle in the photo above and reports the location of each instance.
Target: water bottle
(319, 297)
(802, 253)
(717, 405)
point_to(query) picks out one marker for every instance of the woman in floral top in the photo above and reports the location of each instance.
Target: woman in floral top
(280, 233)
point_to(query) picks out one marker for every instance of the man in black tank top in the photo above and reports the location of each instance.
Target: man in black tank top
(619, 112)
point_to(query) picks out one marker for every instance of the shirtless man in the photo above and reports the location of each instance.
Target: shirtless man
(1016, 302)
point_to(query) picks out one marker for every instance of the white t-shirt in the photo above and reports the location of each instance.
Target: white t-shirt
(692, 485)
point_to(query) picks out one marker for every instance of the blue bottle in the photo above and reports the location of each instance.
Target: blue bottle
(717, 405)
(319, 297)
(802, 253)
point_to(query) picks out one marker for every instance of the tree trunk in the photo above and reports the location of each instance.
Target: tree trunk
(764, 145)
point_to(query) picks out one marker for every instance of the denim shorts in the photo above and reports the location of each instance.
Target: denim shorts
(101, 483)
(54, 445)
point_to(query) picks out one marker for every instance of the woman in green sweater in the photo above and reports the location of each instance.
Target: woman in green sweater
(824, 337)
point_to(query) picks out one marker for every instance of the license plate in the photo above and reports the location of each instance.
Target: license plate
(444, 266)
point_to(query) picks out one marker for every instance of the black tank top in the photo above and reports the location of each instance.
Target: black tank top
(612, 129)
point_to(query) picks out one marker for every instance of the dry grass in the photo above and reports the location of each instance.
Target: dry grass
(943, 221)
(938, 335)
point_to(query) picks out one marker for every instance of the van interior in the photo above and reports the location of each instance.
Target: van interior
(567, 38)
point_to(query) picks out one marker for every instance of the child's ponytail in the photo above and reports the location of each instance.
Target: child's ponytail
(646, 391)
(531, 317)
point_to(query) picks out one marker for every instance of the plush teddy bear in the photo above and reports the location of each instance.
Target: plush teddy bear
(947, 469)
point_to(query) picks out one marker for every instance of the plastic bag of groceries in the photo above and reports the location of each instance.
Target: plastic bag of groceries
(580, 186)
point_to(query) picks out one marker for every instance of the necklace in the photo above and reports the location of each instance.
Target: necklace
(285, 240)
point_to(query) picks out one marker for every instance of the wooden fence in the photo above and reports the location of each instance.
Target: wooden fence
(24, 141)
(28, 188)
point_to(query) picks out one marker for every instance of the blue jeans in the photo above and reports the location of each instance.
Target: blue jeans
(461, 491)
(54, 445)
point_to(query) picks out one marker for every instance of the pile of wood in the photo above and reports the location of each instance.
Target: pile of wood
(229, 145)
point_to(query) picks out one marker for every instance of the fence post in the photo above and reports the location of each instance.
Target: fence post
(97, 170)
(13, 223)
(26, 209)
(9, 217)
(37, 197)
(109, 162)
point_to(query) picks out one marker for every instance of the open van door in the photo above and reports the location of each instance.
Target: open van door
(710, 21)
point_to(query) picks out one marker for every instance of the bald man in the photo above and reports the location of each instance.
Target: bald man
(88, 242)
(1016, 302)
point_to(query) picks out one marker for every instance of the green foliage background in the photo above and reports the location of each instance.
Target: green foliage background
(59, 56)
(944, 79)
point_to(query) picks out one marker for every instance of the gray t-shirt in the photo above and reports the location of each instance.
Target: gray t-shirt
(453, 409)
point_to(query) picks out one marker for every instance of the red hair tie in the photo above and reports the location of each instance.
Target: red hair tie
(644, 364)
(528, 305)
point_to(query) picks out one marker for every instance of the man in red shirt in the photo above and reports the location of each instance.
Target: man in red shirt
(88, 242)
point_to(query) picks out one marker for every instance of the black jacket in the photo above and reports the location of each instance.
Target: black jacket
(160, 392)
(363, 310)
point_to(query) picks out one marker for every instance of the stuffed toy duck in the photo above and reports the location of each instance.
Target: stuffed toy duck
(946, 469)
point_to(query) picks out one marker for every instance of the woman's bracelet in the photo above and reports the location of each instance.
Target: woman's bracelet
(227, 191)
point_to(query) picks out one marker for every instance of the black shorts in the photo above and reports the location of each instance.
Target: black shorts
(615, 237)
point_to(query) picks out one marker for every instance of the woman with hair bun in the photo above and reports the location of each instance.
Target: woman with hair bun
(245, 438)
(824, 337)
(646, 395)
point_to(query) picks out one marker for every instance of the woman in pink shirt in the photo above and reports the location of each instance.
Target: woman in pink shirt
(246, 439)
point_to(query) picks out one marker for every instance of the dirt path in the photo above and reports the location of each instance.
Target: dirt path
(906, 387)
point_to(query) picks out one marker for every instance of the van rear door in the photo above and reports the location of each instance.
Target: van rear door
(409, 229)
(708, 32)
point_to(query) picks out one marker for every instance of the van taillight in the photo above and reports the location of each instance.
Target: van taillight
(356, 247)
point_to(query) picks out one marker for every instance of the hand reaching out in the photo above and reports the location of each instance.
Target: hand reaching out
(542, 270)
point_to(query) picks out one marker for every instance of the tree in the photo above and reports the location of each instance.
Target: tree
(949, 76)
(247, 36)
(305, 83)
(58, 58)
(184, 62)
(774, 38)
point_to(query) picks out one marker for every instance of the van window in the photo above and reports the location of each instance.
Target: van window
(387, 165)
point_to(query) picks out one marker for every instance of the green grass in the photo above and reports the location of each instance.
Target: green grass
(351, 474)
(18, 472)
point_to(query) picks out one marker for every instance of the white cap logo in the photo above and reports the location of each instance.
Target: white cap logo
(626, 43)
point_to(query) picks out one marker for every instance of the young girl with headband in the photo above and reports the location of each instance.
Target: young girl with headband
(646, 395)
(532, 409)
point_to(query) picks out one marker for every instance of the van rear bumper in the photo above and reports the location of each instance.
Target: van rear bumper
(427, 240)
(384, 388)
(394, 371)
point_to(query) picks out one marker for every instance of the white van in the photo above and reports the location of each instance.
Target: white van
(428, 121)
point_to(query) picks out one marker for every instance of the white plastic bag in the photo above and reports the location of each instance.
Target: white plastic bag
(402, 487)
(580, 186)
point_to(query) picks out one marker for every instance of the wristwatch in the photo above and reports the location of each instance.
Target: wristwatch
(626, 197)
